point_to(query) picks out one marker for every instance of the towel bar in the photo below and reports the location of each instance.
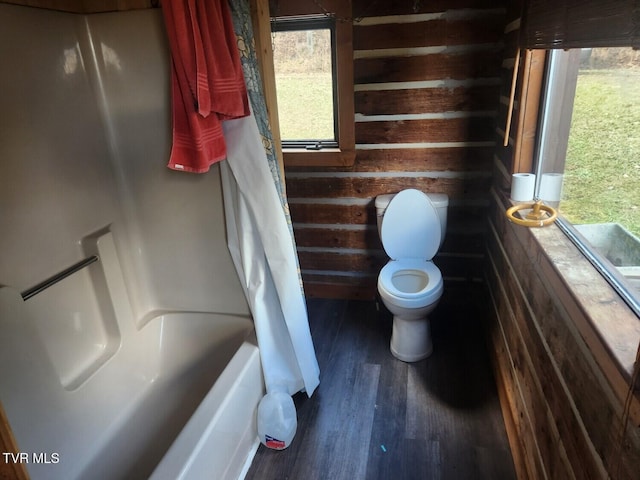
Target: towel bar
(49, 282)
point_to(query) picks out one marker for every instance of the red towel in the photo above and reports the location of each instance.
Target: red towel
(207, 85)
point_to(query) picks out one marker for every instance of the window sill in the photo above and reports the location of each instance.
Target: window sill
(327, 157)
(608, 326)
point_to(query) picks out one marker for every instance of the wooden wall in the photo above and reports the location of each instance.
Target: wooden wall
(562, 393)
(86, 6)
(426, 96)
(9, 470)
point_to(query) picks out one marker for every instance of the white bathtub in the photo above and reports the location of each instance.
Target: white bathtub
(220, 439)
(94, 395)
(121, 422)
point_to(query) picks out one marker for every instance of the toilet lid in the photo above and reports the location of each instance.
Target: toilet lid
(411, 227)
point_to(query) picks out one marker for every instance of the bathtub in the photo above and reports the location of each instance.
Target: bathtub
(93, 395)
(197, 377)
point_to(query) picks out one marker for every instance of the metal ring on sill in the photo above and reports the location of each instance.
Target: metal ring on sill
(536, 218)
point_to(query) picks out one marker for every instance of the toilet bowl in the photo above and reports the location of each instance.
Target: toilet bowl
(411, 227)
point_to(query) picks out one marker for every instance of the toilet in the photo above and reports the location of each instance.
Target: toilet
(411, 225)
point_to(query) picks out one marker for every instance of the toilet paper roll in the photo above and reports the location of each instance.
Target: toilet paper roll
(551, 187)
(522, 187)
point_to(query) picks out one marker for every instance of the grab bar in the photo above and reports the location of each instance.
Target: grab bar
(51, 281)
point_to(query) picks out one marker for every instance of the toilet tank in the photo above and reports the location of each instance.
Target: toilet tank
(439, 200)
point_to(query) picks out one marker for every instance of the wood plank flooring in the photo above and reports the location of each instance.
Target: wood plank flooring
(375, 417)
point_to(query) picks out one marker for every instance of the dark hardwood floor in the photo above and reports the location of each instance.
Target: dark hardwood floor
(375, 417)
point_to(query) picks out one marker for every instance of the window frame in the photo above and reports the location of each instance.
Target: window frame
(302, 24)
(344, 154)
(556, 108)
(613, 351)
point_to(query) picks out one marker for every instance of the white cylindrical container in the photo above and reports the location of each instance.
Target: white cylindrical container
(551, 188)
(522, 187)
(277, 420)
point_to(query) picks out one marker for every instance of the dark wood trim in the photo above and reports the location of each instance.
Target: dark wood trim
(413, 100)
(261, 21)
(369, 187)
(469, 242)
(368, 8)
(339, 287)
(530, 99)
(436, 66)
(86, 6)
(328, 157)
(455, 159)
(469, 129)
(9, 471)
(481, 29)
(505, 395)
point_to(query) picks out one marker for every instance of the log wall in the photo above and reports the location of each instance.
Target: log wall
(426, 88)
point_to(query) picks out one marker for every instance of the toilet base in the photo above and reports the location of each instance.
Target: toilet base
(411, 339)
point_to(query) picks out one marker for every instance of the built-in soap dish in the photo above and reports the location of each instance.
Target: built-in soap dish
(75, 318)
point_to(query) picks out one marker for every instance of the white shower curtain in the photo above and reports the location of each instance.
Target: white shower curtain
(264, 254)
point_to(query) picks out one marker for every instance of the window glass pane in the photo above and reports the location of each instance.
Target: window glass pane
(591, 135)
(602, 168)
(304, 84)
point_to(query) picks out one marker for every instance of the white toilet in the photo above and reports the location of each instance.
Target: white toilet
(411, 225)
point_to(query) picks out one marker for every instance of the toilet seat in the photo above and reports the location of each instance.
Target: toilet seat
(411, 227)
(407, 298)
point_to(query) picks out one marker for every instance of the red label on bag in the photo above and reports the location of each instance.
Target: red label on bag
(273, 443)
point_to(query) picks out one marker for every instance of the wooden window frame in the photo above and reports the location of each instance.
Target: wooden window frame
(610, 351)
(307, 24)
(344, 155)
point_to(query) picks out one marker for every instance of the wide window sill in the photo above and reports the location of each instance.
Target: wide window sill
(327, 157)
(606, 323)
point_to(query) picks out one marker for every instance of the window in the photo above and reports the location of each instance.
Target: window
(304, 61)
(589, 150)
(332, 141)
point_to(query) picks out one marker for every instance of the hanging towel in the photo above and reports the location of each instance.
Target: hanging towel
(207, 85)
